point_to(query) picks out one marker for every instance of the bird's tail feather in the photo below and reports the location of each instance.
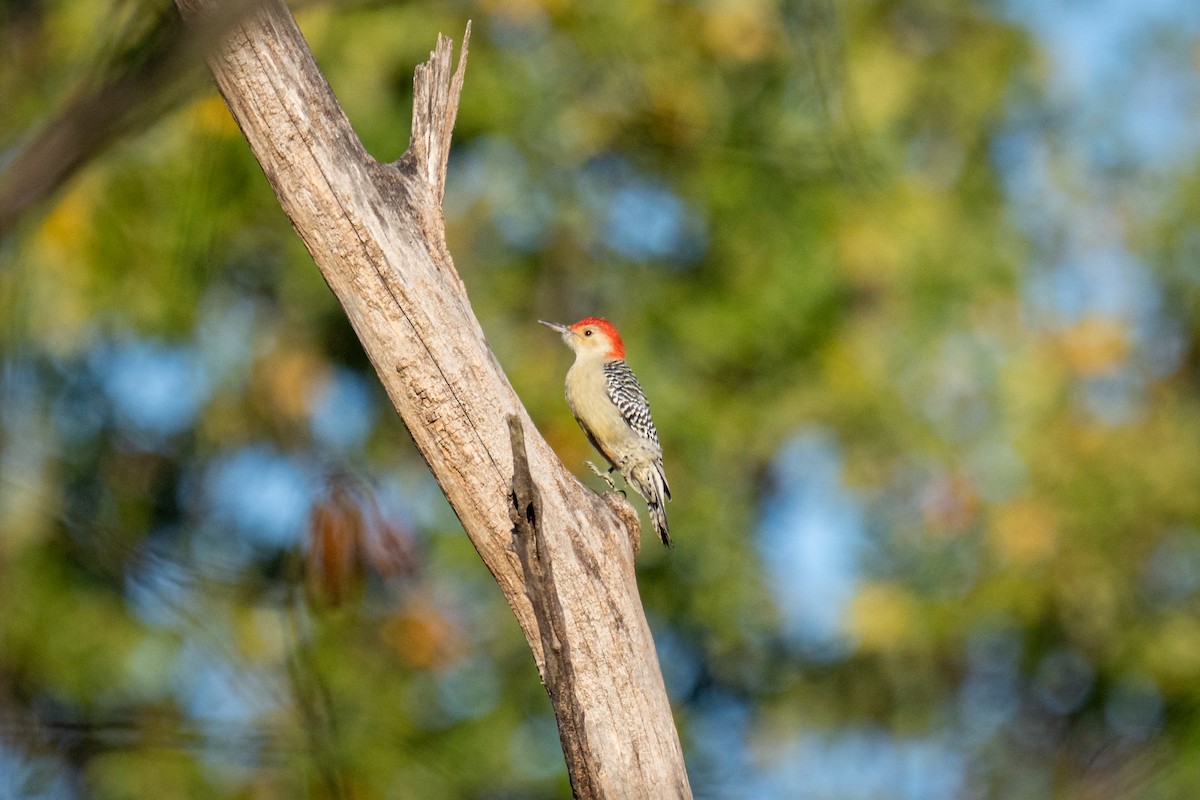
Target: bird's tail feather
(651, 483)
(658, 516)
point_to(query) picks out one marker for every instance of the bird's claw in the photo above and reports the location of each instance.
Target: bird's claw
(602, 474)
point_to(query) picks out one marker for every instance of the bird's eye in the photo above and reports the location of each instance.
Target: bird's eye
(588, 332)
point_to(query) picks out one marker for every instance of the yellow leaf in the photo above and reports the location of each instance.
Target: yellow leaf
(881, 616)
(211, 117)
(882, 79)
(1024, 532)
(743, 30)
(1095, 346)
(1173, 653)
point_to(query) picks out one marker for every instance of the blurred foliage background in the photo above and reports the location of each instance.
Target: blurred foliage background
(914, 289)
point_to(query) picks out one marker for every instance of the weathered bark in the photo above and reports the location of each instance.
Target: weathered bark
(376, 233)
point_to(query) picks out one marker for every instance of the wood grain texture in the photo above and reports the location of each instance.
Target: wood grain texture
(376, 233)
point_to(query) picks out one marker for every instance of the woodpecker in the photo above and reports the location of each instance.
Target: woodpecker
(610, 406)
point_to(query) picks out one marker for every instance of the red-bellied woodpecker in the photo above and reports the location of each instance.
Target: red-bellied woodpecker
(611, 407)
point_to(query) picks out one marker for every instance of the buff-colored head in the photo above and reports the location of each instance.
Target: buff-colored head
(591, 336)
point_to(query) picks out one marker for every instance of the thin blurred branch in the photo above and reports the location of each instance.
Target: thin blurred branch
(813, 28)
(161, 67)
(313, 702)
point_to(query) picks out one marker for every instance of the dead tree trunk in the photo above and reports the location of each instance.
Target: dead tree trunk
(376, 233)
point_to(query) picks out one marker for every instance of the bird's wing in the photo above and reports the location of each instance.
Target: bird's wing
(627, 395)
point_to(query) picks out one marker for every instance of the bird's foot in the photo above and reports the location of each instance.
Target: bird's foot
(605, 475)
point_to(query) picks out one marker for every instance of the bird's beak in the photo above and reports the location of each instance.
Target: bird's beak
(563, 329)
